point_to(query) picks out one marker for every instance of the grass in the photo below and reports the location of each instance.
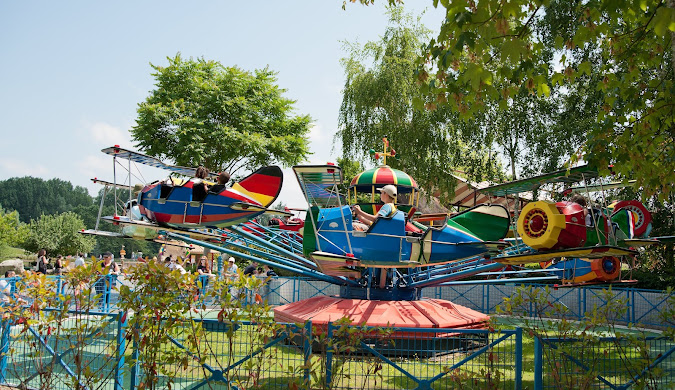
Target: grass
(7, 252)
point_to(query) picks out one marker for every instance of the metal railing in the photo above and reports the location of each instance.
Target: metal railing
(247, 355)
(604, 363)
(94, 345)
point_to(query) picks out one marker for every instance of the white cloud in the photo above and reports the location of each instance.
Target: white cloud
(17, 168)
(316, 133)
(97, 166)
(105, 134)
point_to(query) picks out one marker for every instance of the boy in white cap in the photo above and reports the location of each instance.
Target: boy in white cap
(388, 197)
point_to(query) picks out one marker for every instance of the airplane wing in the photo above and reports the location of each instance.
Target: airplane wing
(639, 242)
(103, 233)
(280, 213)
(107, 183)
(492, 246)
(319, 184)
(593, 252)
(144, 159)
(192, 233)
(599, 187)
(572, 175)
(179, 244)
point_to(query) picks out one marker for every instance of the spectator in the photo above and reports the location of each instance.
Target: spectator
(173, 265)
(102, 285)
(42, 262)
(269, 271)
(203, 267)
(6, 287)
(79, 260)
(251, 269)
(58, 265)
(231, 271)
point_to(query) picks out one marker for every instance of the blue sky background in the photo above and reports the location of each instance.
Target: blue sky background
(72, 73)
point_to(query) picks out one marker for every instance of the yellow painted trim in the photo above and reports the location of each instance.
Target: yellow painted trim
(260, 198)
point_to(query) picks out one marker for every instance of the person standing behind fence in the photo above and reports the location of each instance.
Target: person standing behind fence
(268, 271)
(102, 289)
(79, 260)
(42, 262)
(232, 270)
(6, 287)
(58, 265)
(250, 270)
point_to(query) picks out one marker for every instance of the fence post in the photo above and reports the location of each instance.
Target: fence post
(486, 294)
(134, 367)
(329, 356)
(519, 359)
(119, 354)
(631, 305)
(538, 364)
(4, 350)
(582, 312)
(220, 266)
(308, 350)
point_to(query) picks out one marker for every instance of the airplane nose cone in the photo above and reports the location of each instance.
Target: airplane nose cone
(536, 224)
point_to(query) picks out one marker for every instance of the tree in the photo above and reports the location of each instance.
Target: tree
(224, 118)
(378, 101)
(31, 196)
(534, 135)
(490, 50)
(12, 231)
(58, 234)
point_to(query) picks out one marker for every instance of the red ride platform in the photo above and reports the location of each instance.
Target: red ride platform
(424, 313)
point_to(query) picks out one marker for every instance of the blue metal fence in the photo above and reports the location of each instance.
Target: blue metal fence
(90, 350)
(250, 355)
(604, 363)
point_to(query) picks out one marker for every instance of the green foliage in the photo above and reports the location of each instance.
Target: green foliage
(41, 314)
(668, 314)
(12, 231)
(58, 235)
(488, 52)
(350, 168)
(582, 355)
(532, 133)
(160, 304)
(221, 117)
(378, 101)
(31, 197)
(345, 346)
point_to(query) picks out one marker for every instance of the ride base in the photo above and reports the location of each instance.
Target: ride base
(423, 313)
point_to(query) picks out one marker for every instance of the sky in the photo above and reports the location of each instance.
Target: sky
(72, 73)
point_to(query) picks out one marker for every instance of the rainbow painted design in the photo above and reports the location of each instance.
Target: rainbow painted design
(383, 175)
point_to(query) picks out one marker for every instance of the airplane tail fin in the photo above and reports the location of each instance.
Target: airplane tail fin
(486, 222)
(262, 185)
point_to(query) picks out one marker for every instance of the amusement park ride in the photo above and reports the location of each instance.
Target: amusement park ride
(381, 270)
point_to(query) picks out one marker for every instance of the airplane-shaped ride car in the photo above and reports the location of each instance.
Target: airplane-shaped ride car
(578, 245)
(333, 243)
(176, 204)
